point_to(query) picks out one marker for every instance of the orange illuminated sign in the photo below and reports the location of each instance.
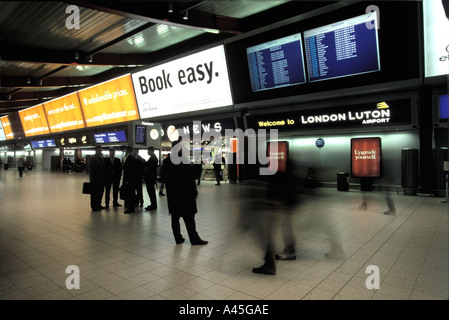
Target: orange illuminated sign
(7, 127)
(34, 121)
(109, 102)
(64, 113)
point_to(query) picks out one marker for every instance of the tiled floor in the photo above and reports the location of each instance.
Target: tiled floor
(46, 225)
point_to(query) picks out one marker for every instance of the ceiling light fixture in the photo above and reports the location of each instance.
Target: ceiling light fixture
(170, 7)
(186, 16)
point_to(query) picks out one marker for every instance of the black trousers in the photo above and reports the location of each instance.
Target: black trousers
(96, 195)
(115, 185)
(189, 221)
(131, 200)
(151, 189)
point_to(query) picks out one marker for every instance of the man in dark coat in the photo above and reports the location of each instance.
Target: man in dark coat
(96, 177)
(113, 172)
(150, 177)
(130, 176)
(181, 197)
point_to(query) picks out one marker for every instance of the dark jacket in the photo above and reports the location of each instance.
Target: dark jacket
(150, 173)
(113, 169)
(96, 169)
(181, 187)
(130, 170)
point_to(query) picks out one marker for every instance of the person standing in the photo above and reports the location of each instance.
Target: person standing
(140, 163)
(130, 177)
(21, 165)
(113, 174)
(181, 197)
(219, 160)
(150, 177)
(96, 170)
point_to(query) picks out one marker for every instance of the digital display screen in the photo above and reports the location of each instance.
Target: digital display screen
(141, 134)
(366, 156)
(443, 104)
(276, 63)
(110, 137)
(344, 48)
(34, 121)
(6, 124)
(2, 133)
(47, 143)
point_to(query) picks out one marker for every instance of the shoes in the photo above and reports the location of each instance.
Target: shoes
(217, 184)
(180, 241)
(129, 211)
(140, 203)
(390, 212)
(117, 205)
(199, 243)
(106, 205)
(101, 207)
(285, 256)
(271, 271)
(151, 208)
(161, 194)
(96, 209)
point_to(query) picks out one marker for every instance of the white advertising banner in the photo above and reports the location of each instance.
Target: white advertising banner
(436, 38)
(195, 82)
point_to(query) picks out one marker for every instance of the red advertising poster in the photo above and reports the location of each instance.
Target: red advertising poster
(280, 154)
(366, 155)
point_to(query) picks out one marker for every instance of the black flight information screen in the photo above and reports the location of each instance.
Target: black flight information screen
(343, 49)
(276, 63)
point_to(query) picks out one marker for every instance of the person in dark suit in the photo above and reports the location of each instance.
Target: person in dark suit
(219, 160)
(181, 197)
(150, 177)
(130, 177)
(113, 171)
(96, 177)
(141, 164)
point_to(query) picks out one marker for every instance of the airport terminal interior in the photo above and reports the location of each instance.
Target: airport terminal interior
(46, 225)
(352, 93)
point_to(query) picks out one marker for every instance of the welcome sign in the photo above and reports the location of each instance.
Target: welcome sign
(195, 82)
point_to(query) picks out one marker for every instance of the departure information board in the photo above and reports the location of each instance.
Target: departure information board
(343, 49)
(276, 63)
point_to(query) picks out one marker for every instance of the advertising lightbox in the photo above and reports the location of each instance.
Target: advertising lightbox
(109, 102)
(278, 154)
(34, 121)
(2, 133)
(366, 157)
(436, 39)
(64, 113)
(6, 124)
(195, 82)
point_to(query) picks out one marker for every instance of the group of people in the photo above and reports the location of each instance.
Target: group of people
(179, 180)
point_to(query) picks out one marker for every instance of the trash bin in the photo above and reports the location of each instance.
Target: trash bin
(343, 181)
(5, 166)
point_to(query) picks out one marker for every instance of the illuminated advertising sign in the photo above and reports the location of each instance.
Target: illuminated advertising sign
(436, 38)
(279, 155)
(366, 156)
(2, 133)
(109, 102)
(6, 124)
(64, 113)
(195, 82)
(384, 113)
(34, 121)
(75, 140)
(47, 143)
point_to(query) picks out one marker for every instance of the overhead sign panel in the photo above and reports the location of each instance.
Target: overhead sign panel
(195, 82)
(34, 121)
(6, 124)
(64, 113)
(109, 102)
